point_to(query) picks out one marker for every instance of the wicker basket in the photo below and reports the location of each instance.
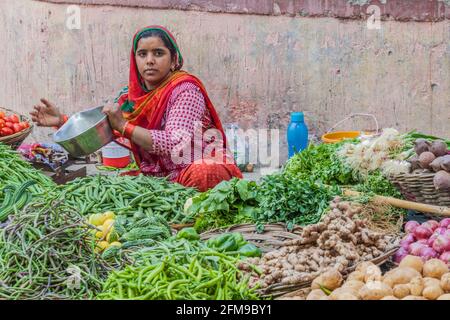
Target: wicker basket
(272, 237)
(15, 140)
(418, 187)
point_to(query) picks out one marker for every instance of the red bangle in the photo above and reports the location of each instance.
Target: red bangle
(63, 120)
(128, 130)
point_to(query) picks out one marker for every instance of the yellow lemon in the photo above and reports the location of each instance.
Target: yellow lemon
(108, 225)
(100, 232)
(115, 244)
(103, 245)
(109, 215)
(96, 219)
(112, 236)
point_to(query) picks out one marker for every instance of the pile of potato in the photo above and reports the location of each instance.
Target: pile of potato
(413, 279)
(339, 241)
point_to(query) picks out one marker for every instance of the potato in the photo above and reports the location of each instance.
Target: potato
(346, 296)
(362, 267)
(341, 293)
(373, 273)
(400, 276)
(353, 284)
(428, 282)
(434, 268)
(331, 279)
(413, 298)
(416, 286)
(389, 298)
(432, 292)
(375, 290)
(445, 282)
(412, 262)
(316, 294)
(356, 275)
(444, 297)
(316, 283)
(401, 290)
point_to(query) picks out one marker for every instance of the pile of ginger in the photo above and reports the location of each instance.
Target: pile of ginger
(339, 241)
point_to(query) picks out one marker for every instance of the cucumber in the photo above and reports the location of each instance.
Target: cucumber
(17, 200)
(7, 202)
(22, 189)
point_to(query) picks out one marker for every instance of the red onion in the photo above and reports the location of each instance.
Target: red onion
(440, 230)
(431, 239)
(414, 248)
(432, 224)
(407, 240)
(427, 253)
(447, 233)
(445, 223)
(410, 226)
(441, 244)
(400, 254)
(422, 232)
(445, 257)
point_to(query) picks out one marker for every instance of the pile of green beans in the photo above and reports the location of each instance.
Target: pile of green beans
(14, 170)
(46, 253)
(141, 196)
(203, 275)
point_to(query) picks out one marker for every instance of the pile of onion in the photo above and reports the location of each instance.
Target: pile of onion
(428, 240)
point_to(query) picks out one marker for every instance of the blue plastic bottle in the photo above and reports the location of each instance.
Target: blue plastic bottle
(297, 133)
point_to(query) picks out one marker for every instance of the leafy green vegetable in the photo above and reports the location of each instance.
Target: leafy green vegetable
(320, 163)
(188, 234)
(376, 184)
(230, 202)
(283, 198)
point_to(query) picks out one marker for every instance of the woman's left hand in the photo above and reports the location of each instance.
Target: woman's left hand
(115, 117)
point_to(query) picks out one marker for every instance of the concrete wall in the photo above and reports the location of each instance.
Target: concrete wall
(256, 68)
(402, 10)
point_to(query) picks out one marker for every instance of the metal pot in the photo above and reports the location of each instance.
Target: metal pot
(85, 132)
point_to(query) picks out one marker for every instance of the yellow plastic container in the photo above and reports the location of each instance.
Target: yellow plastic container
(337, 136)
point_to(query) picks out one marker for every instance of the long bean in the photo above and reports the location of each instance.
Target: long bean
(37, 250)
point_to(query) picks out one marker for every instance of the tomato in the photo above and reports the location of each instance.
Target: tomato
(6, 131)
(2, 123)
(2, 115)
(17, 127)
(14, 118)
(23, 125)
(9, 125)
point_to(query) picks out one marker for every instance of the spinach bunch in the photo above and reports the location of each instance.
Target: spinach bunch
(230, 202)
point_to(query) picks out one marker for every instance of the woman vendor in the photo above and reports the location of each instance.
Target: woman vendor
(160, 112)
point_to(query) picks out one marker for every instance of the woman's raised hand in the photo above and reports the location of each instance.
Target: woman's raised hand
(115, 116)
(46, 114)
